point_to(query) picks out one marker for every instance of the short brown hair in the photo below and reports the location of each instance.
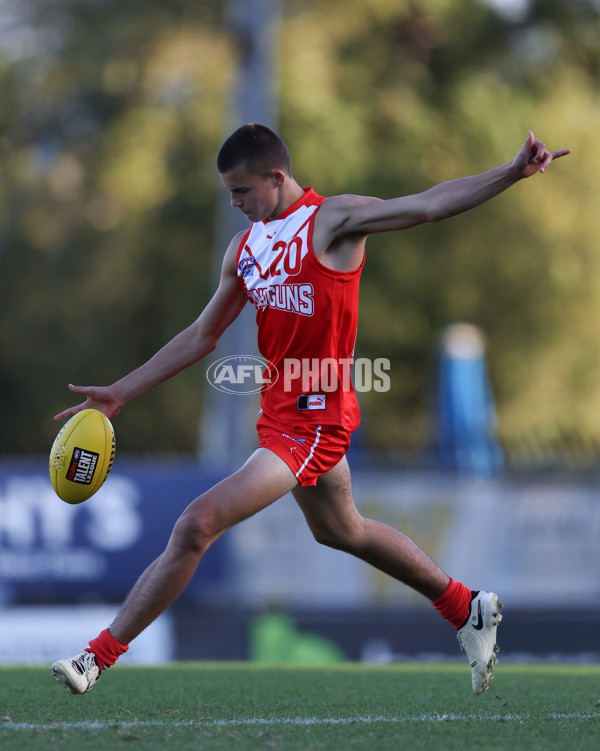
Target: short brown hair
(257, 147)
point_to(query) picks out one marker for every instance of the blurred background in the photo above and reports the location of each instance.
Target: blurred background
(113, 224)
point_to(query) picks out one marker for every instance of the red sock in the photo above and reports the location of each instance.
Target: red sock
(453, 603)
(107, 649)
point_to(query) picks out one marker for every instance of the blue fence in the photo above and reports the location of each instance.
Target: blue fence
(51, 551)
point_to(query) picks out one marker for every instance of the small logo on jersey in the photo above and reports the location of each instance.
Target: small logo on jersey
(246, 266)
(242, 374)
(312, 401)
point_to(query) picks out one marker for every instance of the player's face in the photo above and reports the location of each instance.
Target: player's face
(256, 196)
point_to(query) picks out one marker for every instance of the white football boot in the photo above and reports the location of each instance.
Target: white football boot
(79, 674)
(477, 637)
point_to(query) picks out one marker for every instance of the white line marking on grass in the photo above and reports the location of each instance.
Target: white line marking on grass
(301, 721)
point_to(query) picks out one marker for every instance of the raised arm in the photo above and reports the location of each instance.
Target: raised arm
(185, 349)
(361, 216)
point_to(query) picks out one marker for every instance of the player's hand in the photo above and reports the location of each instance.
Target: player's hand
(534, 157)
(101, 398)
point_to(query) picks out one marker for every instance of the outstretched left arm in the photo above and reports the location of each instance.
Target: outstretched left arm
(360, 215)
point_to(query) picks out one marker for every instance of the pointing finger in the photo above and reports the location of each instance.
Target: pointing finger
(561, 152)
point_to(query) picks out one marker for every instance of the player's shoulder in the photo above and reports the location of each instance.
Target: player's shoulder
(338, 211)
(231, 254)
(238, 237)
(347, 202)
(235, 243)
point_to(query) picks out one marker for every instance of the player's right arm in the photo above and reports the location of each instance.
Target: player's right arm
(183, 350)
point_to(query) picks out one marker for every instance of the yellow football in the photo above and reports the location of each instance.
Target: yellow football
(82, 455)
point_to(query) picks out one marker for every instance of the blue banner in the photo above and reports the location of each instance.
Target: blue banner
(51, 551)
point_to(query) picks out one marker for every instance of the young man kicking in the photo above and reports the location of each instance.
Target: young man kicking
(299, 263)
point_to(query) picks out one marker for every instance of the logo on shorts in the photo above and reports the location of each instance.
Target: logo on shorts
(82, 466)
(242, 374)
(294, 438)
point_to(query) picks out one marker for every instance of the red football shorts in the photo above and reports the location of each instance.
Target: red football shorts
(308, 450)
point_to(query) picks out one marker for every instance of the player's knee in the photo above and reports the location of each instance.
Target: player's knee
(197, 528)
(339, 536)
(327, 537)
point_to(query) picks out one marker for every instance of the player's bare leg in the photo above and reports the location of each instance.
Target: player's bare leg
(335, 521)
(261, 481)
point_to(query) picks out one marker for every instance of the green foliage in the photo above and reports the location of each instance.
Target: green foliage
(112, 114)
(454, 90)
(108, 218)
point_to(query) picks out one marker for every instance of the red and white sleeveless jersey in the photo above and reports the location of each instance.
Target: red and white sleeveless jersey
(307, 315)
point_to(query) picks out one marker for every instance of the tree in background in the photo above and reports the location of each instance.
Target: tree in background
(112, 114)
(114, 119)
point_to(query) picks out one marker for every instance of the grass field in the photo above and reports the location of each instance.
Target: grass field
(230, 706)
